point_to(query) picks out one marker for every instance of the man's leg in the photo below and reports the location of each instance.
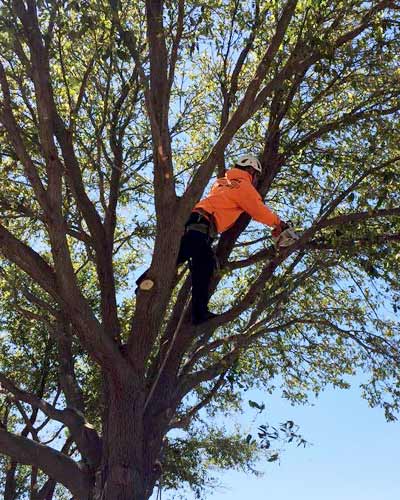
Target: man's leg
(184, 250)
(202, 269)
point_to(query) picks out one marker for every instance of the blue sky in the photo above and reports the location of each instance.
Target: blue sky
(354, 454)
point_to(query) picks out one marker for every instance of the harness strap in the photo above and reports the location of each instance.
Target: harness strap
(205, 223)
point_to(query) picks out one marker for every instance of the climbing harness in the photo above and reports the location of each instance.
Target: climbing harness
(202, 221)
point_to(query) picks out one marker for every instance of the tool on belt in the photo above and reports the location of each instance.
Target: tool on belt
(202, 221)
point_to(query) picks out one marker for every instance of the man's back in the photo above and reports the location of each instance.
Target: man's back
(232, 195)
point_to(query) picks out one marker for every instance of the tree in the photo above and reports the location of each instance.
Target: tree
(114, 118)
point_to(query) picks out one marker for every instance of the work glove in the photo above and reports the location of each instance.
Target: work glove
(279, 228)
(284, 235)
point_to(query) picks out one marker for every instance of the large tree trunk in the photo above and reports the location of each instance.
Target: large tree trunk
(126, 473)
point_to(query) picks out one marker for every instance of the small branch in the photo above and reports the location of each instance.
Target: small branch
(27, 421)
(131, 44)
(63, 73)
(336, 202)
(319, 243)
(185, 420)
(82, 89)
(244, 111)
(265, 254)
(55, 436)
(73, 393)
(360, 217)
(248, 337)
(347, 119)
(15, 137)
(354, 242)
(27, 397)
(176, 41)
(300, 64)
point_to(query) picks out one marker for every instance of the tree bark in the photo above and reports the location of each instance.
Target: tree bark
(125, 473)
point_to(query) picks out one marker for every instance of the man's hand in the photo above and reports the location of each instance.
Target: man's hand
(283, 235)
(279, 228)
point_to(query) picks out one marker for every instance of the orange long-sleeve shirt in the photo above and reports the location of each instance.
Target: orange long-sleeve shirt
(232, 195)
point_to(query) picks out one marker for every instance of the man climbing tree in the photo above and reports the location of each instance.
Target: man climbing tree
(114, 117)
(229, 198)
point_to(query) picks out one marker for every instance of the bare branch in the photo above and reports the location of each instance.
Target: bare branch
(83, 433)
(185, 420)
(27, 421)
(29, 261)
(54, 463)
(176, 42)
(360, 217)
(27, 397)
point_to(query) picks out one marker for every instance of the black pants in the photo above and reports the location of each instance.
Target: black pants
(196, 247)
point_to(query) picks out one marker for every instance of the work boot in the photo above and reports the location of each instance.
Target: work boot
(197, 319)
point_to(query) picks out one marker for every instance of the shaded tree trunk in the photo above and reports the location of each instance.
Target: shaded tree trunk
(126, 470)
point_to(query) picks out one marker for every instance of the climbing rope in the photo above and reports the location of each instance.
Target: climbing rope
(159, 492)
(178, 326)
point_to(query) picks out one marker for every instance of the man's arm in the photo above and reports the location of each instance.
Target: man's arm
(250, 201)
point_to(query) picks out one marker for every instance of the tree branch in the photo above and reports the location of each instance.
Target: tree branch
(29, 261)
(83, 433)
(50, 123)
(340, 220)
(14, 134)
(102, 245)
(300, 64)
(360, 216)
(100, 347)
(367, 241)
(176, 41)
(53, 463)
(185, 420)
(69, 384)
(346, 119)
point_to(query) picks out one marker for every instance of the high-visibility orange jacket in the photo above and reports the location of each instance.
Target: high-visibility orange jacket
(232, 195)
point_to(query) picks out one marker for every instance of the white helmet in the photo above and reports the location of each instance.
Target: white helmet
(249, 161)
